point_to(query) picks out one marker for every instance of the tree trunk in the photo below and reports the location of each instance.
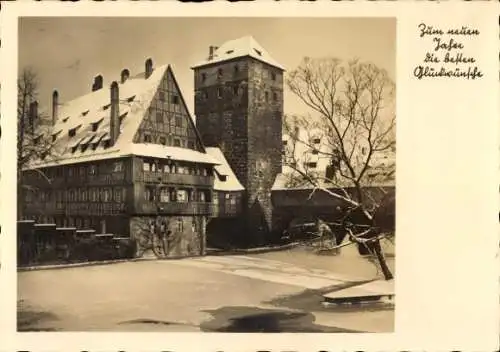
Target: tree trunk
(381, 260)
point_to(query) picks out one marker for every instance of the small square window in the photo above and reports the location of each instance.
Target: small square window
(219, 73)
(235, 90)
(273, 76)
(315, 151)
(177, 142)
(175, 99)
(203, 77)
(163, 140)
(311, 165)
(275, 96)
(161, 96)
(266, 95)
(147, 138)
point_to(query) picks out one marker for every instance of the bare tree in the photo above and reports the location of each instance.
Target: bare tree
(353, 117)
(34, 140)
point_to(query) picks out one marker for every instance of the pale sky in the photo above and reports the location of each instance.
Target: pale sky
(68, 52)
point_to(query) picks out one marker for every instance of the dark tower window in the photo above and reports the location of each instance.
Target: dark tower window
(236, 69)
(147, 138)
(203, 77)
(219, 92)
(235, 90)
(273, 76)
(219, 73)
(205, 95)
(275, 96)
(266, 96)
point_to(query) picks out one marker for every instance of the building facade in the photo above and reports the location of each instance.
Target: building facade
(126, 161)
(239, 109)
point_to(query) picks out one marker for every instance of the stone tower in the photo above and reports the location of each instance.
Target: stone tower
(239, 108)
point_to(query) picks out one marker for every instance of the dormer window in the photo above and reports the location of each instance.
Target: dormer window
(223, 178)
(316, 140)
(131, 99)
(72, 132)
(55, 135)
(122, 116)
(229, 51)
(65, 119)
(95, 125)
(147, 138)
(85, 112)
(315, 151)
(258, 52)
(107, 144)
(106, 107)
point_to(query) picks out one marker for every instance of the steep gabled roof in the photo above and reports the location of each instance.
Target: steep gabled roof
(241, 47)
(83, 125)
(224, 171)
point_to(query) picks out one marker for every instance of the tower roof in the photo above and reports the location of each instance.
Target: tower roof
(241, 47)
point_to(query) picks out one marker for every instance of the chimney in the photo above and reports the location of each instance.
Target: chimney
(149, 68)
(55, 105)
(33, 115)
(211, 51)
(124, 75)
(97, 83)
(114, 122)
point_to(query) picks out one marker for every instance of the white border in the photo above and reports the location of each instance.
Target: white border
(447, 295)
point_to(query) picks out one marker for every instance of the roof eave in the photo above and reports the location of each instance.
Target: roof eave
(279, 67)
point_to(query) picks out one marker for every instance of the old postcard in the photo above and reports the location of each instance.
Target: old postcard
(227, 171)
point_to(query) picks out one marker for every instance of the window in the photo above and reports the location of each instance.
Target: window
(149, 194)
(147, 138)
(163, 140)
(190, 144)
(72, 132)
(131, 99)
(219, 92)
(215, 198)
(161, 96)
(205, 172)
(275, 96)
(118, 195)
(153, 167)
(266, 95)
(232, 200)
(258, 52)
(85, 113)
(118, 166)
(193, 225)
(235, 90)
(177, 142)
(203, 77)
(78, 223)
(236, 69)
(179, 226)
(159, 116)
(166, 169)
(182, 195)
(312, 165)
(363, 150)
(164, 195)
(223, 178)
(146, 166)
(202, 196)
(103, 226)
(178, 121)
(315, 151)
(106, 195)
(180, 169)
(316, 140)
(175, 99)
(83, 195)
(273, 76)
(106, 107)
(219, 73)
(82, 170)
(205, 95)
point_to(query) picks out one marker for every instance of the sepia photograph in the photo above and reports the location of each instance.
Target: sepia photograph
(206, 174)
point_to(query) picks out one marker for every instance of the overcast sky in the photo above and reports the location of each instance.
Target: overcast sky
(68, 52)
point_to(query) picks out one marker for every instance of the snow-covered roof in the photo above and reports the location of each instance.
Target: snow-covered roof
(241, 47)
(88, 116)
(294, 181)
(231, 182)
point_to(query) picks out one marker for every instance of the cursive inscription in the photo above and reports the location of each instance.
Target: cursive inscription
(447, 57)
